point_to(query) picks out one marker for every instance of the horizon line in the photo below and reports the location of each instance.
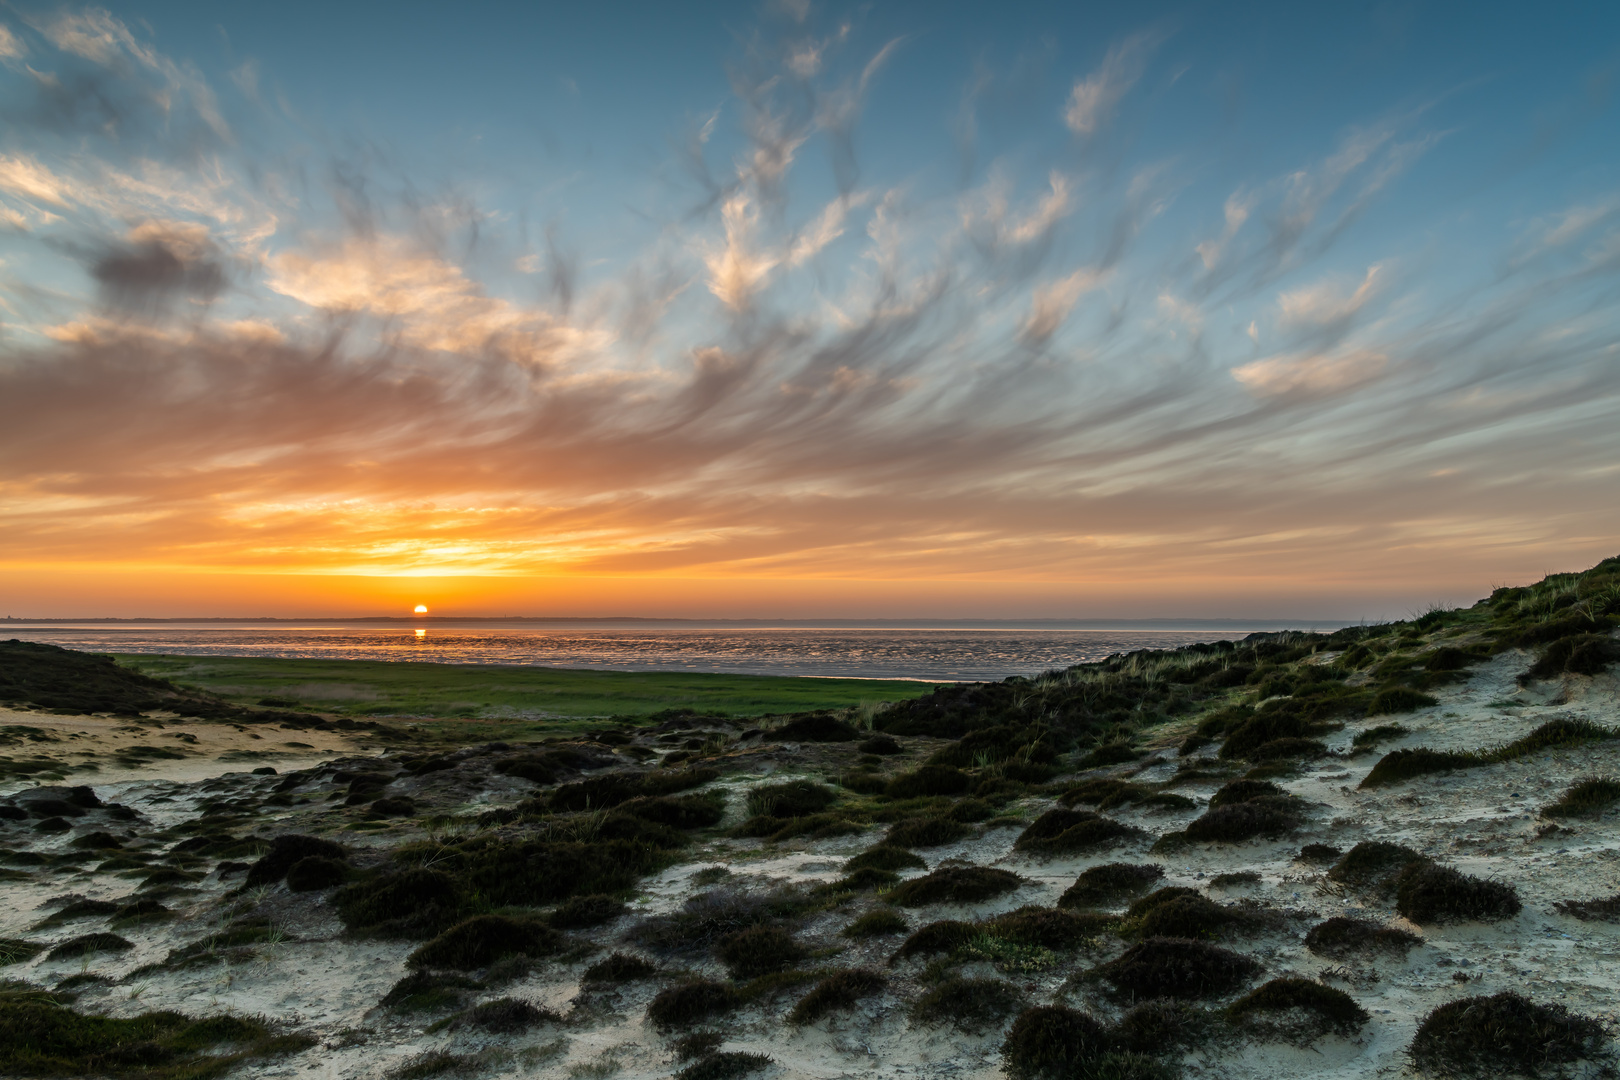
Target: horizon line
(1259, 624)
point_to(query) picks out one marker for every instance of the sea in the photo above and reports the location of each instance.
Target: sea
(925, 654)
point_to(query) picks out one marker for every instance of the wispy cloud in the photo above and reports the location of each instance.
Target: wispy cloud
(1093, 98)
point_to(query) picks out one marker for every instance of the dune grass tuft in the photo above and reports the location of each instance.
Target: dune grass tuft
(724, 1065)
(1427, 893)
(1061, 831)
(1501, 1034)
(1051, 1042)
(1341, 938)
(1587, 798)
(1177, 968)
(484, 939)
(1110, 883)
(690, 1002)
(838, 991)
(620, 968)
(972, 1005)
(759, 950)
(1330, 1009)
(955, 885)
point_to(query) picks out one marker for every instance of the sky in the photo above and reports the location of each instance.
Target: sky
(805, 310)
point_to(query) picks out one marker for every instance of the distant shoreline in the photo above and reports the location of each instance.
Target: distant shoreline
(625, 622)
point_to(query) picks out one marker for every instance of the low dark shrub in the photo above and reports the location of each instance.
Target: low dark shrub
(89, 944)
(1341, 938)
(1289, 749)
(1366, 740)
(1161, 1025)
(727, 1065)
(972, 1005)
(1578, 654)
(1331, 1009)
(620, 968)
(1372, 863)
(1241, 791)
(410, 904)
(864, 783)
(1604, 910)
(506, 1016)
(1187, 917)
(1106, 885)
(1050, 928)
(1586, 798)
(422, 991)
(16, 950)
(707, 917)
(1145, 904)
(955, 885)
(1235, 879)
(42, 1037)
(1490, 1036)
(691, 1002)
(580, 912)
(945, 936)
(483, 939)
(1111, 753)
(759, 950)
(1050, 1042)
(925, 832)
(796, 798)
(97, 841)
(929, 780)
(1398, 765)
(880, 744)
(885, 857)
(1318, 853)
(286, 850)
(817, 727)
(1177, 968)
(315, 872)
(876, 923)
(392, 806)
(697, 1044)
(1426, 893)
(837, 991)
(1059, 831)
(971, 810)
(862, 880)
(1237, 822)
(679, 811)
(1399, 699)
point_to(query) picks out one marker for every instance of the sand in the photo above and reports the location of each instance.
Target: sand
(1483, 821)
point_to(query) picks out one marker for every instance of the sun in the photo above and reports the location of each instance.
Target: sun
(421, 609)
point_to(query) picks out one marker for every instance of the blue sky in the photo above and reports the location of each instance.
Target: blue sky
(807, 309)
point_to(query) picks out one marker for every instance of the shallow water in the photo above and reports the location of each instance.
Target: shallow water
(932, 655)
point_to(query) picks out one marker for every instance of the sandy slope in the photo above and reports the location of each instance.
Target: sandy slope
(1483, 821)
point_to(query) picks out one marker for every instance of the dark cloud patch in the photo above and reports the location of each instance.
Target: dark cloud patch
(148, 278)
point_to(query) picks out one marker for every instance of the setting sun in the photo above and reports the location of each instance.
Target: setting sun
(421, 609)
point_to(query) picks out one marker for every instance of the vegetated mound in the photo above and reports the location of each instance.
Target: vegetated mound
(1060, 831)
(51, 677)
(1110, 883)
(955, 885)
(1341, 938)
(1373, 863)
(1327, 1008)
(583, 912)
(1051, 1042)
(484, 939)
(285, 851)
(1506, 1032)
(1577, 654)
(41, 1036)
(885, 857)
(1398, 765)
(724, 1065)
(1428, 893)
(815, 727)
(929, 780)
(619, 968)
(759, 950)
(838, 991)
(703, 920)
(602, 792)
(690, 1002)
(1177, 968)
(505, 1016)
(796, 798)
(876, 924)
(1587, 798)
(1183, 914)
(414, 903)
(924, 832)
(972, 1005)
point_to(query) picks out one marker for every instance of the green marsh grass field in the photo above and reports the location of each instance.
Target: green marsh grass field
(499, 693)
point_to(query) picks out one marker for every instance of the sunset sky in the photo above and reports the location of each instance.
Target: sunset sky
(799, 310)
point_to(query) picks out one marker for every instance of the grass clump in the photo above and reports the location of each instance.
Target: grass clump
(286, 850)
(40, 1037)
(877, 923)
(484, 939)
(1177, 968)
(1372, 863)
(620, 968)
(1050, 1042)
(971, 1005)
(1366, 740)
(1242, 791)
(1604, 910)
(1577, 654)
(797, 798)
(945, 936)
(315, 872)
(1048, 927)
(582, 912)
(1329, 1009)
(706, 918)
(428, 991)
(925, 832)
(1341, 938)
(1319, 853)
(505, 1016)
(1488, 1036)
(1185, 916)
(1400, 699)
(410, 904)
(929, 780)
(1587, 798)
(955, 885)
(885, 857)
(16, 950)
(1427, 893)
(1401, 765)
(1058, 831)
(759, 950)
(691, 1002)
(88, 945)
(882, 745)
(1109, 884)
(1234, 823)
(726, 1065)
(837, 991)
